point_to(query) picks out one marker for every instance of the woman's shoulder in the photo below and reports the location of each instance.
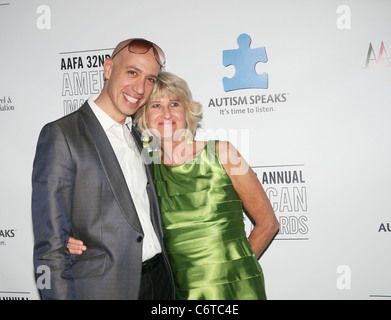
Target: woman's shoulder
(218, 143)
(221, 148)
(224, 150)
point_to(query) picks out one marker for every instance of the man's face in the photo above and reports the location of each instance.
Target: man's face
(130, 80)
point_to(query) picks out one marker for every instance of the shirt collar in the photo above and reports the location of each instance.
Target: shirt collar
(105, 120)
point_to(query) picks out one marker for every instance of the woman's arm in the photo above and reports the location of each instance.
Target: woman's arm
(252, 195)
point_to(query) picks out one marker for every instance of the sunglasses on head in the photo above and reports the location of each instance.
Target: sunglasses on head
(142, 46)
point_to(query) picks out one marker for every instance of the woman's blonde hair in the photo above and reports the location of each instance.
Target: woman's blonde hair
(173, 86)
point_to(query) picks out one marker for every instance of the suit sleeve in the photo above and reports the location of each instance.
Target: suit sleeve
(52, 182)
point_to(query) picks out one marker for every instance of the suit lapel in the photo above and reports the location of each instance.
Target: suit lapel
(111, 167)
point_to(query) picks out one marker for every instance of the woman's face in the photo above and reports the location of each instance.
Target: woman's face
(166, 115)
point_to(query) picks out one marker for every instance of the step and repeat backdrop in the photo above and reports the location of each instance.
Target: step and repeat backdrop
(302, 88)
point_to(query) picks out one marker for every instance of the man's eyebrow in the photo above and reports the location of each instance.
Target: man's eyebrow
(140, 71)
(133, 67)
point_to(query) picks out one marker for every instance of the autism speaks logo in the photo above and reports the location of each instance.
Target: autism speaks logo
(244, 59)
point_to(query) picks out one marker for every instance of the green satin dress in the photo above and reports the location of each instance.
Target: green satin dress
(202, 216)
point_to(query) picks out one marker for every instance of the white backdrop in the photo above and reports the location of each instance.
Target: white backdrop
(317, 134)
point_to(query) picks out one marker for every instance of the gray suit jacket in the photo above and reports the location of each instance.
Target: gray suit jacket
(79, 190)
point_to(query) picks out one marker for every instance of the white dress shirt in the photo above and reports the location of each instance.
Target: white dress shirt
(134, 172)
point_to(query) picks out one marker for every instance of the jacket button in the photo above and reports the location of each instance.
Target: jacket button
(139, 239)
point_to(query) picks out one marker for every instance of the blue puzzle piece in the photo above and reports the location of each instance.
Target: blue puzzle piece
(244, 59)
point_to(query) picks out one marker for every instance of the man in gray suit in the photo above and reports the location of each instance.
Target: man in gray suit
(89, 183)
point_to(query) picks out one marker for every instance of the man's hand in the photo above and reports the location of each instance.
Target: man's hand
(75, 246)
